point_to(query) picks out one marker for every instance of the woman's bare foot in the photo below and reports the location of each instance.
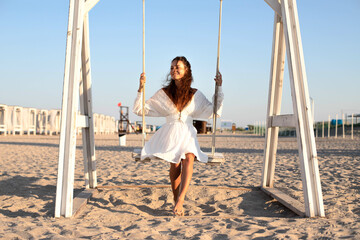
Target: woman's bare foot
(178, 209)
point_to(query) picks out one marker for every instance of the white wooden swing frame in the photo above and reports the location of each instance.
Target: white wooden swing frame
(77, 85)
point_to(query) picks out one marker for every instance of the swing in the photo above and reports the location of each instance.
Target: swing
(213, 157)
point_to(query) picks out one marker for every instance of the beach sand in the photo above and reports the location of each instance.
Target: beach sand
(223, 202)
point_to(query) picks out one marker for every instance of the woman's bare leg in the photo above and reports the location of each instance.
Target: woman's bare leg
(175, 179)
(186, 175)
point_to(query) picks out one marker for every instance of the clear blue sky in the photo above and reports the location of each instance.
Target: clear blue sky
(33, 40)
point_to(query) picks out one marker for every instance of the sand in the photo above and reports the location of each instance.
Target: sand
(223, 202)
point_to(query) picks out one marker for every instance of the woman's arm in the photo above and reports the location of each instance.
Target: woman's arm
(204, 108)
(153, 106)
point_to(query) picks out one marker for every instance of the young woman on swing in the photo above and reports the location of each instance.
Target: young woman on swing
(176, 140)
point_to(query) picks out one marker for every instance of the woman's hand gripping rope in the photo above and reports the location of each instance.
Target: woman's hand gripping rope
(142, 81)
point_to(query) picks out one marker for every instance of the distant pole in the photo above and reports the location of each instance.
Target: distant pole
(323, 128)
(346, 118)
(313, 116)
(312, 108)
(343, 125)
(263, 127)
(352, 126)
(336, 125)
(329, 127)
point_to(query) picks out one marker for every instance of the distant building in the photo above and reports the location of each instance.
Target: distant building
(226, 124)
(200, 126)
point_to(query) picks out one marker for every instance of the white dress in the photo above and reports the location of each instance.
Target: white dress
(177, 136)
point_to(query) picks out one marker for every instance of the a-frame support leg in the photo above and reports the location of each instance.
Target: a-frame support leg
(301, 119)
(86, 110)
(67, 147)
(77, 85)
(302, 111)
(274, 102)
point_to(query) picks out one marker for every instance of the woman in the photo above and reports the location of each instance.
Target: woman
(176, 140)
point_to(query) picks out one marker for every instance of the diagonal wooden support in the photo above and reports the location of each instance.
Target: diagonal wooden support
(86, 109)
(274, 102)
(275, 5)
(89, 4)
(302, 111)
(289, 31)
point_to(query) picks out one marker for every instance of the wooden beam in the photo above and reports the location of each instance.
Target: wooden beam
(282, 121)
(275, 5)
(89, 4)
(70, 102)
(82, 199)
(82, 121)
(274, 101)
(289, 202)
(302, 112)
(213, 159)
(88, 138)
(169, 186)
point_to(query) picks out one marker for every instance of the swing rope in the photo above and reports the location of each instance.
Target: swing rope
(216, 87)
(143, 88)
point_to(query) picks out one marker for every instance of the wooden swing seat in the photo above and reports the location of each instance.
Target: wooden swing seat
(214, 160)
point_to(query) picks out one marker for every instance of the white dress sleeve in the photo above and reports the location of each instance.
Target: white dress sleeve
(204, 108)
(154, 107)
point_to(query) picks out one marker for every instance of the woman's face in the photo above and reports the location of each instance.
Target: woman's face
(177, 70)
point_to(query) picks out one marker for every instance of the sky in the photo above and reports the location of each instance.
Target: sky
(33, 42)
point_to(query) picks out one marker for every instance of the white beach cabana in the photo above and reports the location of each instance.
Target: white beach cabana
(112, 125)
(101, 123)
(15, 122)
(3, 118)
(107, 124)
(42, 122)
(54, 121)
(29, 121)
(96, 121)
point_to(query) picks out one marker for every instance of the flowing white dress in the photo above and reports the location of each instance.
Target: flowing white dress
(177, 136)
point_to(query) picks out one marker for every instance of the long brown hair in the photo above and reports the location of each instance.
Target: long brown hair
(180, 96)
